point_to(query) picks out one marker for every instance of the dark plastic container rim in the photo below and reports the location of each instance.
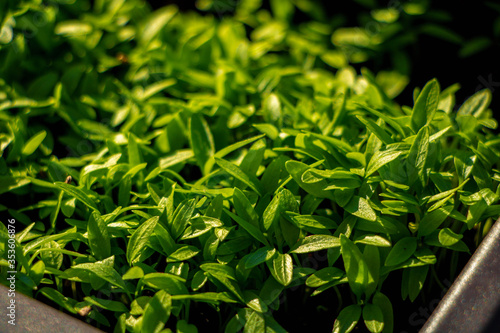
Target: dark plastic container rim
(34, 316)
(472, 304)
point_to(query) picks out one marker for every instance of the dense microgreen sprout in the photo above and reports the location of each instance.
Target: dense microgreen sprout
(156, 161)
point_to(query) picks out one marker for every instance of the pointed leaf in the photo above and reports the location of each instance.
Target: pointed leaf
(78, 194)
(185, 252)
(258, 257)
(244, 208)
(250, 228)
(373, 317)
(416, 280)
(324, 276)
(347, 319)
(425, 105)
(281, 268)
(401, 251)
(361, 208)
(296, 169)
(448, 238)
(476, 104)
(182, 215)
(385, 306)
(156, 312)
(202, 142)
(316, 243)
(237, 173)
(418, 155)
(139, 239)
(381, 158)
(378, 131)
(358, 273)
(103, 270)
(432, 220)
(235, 146)
(99, 241)
(33, 143)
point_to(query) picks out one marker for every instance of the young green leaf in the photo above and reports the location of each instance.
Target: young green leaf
(182, 215)
(418, 155)
(389, 120)
(179, 156)
(314, 221)
(381, 158)
(281, 267)
(183, 253)
(255, 323)
(268, 129)
(373, 318)
(425, 106)
(235, 146)
(224, 275)
(133, 273)
(296, 169)
(58, 298)
(324, 276)
(37, 272)
(78, 194)
(360, 207)
(432, 220)
(166, 241)
(375, 240)
(476, 104)
(102, 269)
(99, 240)
(416, 280)
(243, 207)
(384, 304)
(258, 257)
(316, 243)
(202, 142)
(250, 228)
(371, 256)
(358, 273)
(475, 212)
(199, 280)
(215, 208)
(106, 304)
(33, 143)
(282, 202)
(347, 319)
(272, 213)
(171, 283)
(156, 312)
(272, 109)
(376, 129)
(134, 153)
(155, 23)
(236, 172)
(401, 251)
(448, 238)
(139, 239)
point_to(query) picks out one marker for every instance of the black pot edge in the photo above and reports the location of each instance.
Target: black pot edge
(472, 304)
(34, 316)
